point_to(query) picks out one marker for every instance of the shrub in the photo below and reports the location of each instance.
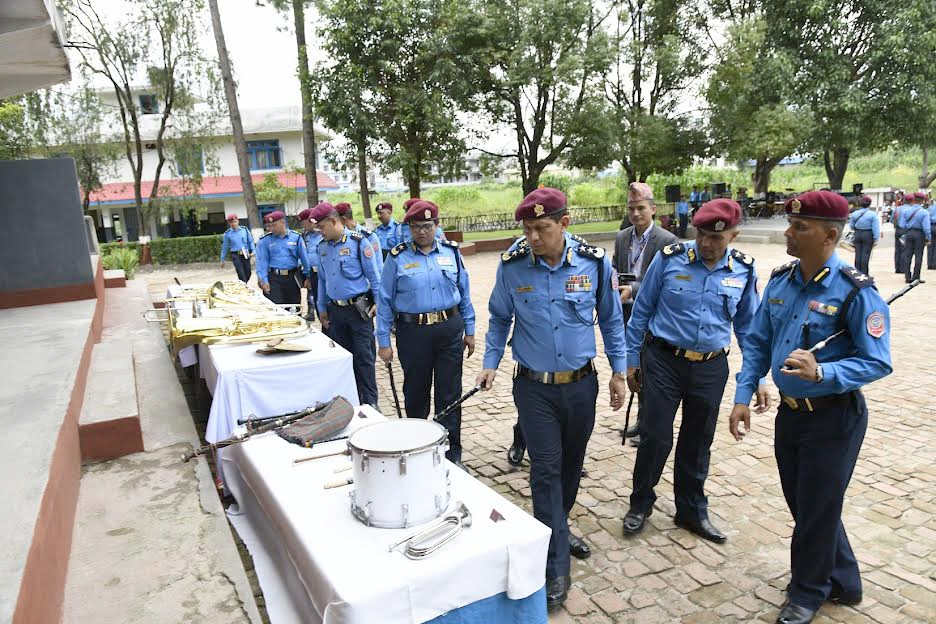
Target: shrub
(556, 181)
(457, 196)
(591, 194)
(122, 258)
(106, 248)
(186, 249)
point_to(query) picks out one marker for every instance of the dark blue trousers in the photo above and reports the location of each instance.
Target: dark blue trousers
(667, 381)
(354, 333)
(913, 254)
(864, 241)
(284, 288)
(898, 250)
(931, 259)
(816, 454)
(241, 265)
(556, 420)
(433, 353)
(313, 289)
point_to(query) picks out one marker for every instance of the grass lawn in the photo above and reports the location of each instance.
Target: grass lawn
(583, 228)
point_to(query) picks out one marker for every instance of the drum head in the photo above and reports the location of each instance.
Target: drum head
(396, 436)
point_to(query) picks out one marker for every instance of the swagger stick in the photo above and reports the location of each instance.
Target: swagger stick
(448, 410)
(396, 397)
(630, 402)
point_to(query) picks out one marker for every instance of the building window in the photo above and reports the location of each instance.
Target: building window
(189, 161)
(149, 105)
(265, 209)
(264, 154)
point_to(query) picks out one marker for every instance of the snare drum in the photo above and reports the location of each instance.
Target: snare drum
(400, 476)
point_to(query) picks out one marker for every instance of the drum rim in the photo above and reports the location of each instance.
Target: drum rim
(443, 435)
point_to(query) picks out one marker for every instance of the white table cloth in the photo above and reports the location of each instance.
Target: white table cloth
(316, 563)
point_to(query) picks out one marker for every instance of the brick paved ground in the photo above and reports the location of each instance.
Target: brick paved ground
(666, 574)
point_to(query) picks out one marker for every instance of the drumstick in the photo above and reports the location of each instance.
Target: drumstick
(323, 456)
(339, 483)
(343, 468)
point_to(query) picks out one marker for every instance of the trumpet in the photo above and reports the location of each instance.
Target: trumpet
(427, 541)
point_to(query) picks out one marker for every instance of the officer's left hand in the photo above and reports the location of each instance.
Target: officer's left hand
(763, 400)
(307, 283)
(469, 344)
(618, 388)
(801, 363)
(372, 311)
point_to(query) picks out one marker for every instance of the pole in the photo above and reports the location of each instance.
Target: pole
(396, 397)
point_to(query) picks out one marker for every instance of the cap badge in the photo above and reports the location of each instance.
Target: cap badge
(795, 206)
(538, 210)
(719, 226)
(428, 214)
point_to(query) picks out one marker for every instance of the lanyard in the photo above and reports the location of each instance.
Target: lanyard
(634, 257)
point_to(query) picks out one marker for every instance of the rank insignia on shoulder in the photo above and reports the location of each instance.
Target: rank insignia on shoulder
(856, 277)
(783, 268)
(397, 249)
(675, 248)
(450, 243)
(357, 236)
(518, 252)
(588, 251)
(742, 257)
(365, 232)
(578, 239)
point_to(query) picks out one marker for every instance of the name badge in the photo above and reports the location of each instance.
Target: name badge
(775, 301)
(685, 278)
(578, 283)
(525, 289)
(344, 251)
(732, 282)
(822, 308)
(411, 265)
(444, 261)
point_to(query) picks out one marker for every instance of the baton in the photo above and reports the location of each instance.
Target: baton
(630, 402)
(448, 410)
(396, 397)
(823, 343)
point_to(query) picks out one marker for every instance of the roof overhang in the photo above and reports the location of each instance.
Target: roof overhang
(32, 34)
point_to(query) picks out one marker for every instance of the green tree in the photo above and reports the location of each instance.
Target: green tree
(15, 137)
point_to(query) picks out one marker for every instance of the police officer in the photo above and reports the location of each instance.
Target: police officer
(931, 261)
(240, 242)
(424, 288)
(347, 292)
(678, 337)
(899, 231)
(549, 287)
(387, 228)
(916, 221)
(312, 237)
(347, 218)
(822, 416)
(281, 258)
(865, 224)
(403, 234)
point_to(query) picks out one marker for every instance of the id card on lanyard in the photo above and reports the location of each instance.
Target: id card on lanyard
(636, 252)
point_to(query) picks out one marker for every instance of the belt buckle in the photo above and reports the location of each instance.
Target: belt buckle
(563, 377)
(790, 402)
(432, 318)
(693, 356)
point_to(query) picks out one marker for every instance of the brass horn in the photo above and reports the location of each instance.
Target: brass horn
(427, 541)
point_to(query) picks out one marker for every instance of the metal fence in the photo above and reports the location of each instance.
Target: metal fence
(505, 220)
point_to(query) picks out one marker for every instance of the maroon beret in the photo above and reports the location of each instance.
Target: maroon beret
(231, 217)
(276, 215)
(540, 203)
(385, 206)
(717, 215)
(421, 210)
(321, 212)
(818, 205)
(304, 214)
(409, 202)
(865, 201)
(343, 208)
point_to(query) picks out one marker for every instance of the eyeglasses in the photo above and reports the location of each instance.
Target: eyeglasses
(422, 227)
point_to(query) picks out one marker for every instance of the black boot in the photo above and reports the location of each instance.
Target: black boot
(517, 449)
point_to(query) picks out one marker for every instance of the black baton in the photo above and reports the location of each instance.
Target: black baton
(396, 397)
(630, 402)
(448, 410)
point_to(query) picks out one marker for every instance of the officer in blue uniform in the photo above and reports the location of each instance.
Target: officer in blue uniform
(549, 288)
(899, 231)
(312, 237)
(403, 234)
(424, 288)
(281, 259)
(931, 261)
(347, 218)
(822, 416)
(347, 292)
(865, 224)
(916, 221)
(387, 228)
(240, 242)
(678, 337)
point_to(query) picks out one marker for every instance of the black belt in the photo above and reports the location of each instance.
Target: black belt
(347, 302)
(286, 272)
(427, 318)
(918, 229)
(811, 404)
(559, 377)
(692, 356)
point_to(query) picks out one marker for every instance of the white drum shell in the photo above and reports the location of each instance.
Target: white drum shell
(400, 480)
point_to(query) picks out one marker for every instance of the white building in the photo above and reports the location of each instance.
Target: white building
(274, 144)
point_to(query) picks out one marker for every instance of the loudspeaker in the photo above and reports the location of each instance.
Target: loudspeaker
(672, 193)
(857, 188)
(719, 188)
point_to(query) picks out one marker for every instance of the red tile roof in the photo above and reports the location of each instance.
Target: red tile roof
(211, 186)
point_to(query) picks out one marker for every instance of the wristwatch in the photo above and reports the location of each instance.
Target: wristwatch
(620, 376)
(819, 373)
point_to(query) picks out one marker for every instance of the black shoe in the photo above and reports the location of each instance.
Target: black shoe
(842, 597)
(578, 548)
(795, 614)
(634, 521)
(557, 590)
(584, 473)
(631, 431)
(635, 441)
(517, 449)
(703, 528)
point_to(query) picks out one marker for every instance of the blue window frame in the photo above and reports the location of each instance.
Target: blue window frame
(265, 209)
(264, 154)
(149, 105)
(189, 160)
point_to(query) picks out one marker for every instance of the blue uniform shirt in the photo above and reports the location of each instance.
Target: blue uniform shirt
(386, 234)
(682, 207)
(346, 269)
(281, 252)
(917, 218)
(694, 197)
(235, 240)
(414, 282)
(375, 244)
(689, 306)
(312, 239)
(849, 362)
(932, 213)
(866, 219)
(403, 234)
(552, 310)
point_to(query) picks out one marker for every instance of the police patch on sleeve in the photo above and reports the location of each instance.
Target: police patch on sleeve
(875, 324)
(369, 251)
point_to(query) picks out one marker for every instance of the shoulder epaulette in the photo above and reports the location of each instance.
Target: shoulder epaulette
(742, 257)
(522, 248)
(265, 235)
(856, 277)
(578, 239)
(672, 250)
(357, 236)
(450, 243)
(366, 232)
(398, 249)
(783, 268)
(587, 251)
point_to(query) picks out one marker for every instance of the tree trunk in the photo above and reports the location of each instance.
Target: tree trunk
(836, 164)
(237, 128)
(308, 112)
(926, 178)
(362, 178)
(414, 182)
(761, 176)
